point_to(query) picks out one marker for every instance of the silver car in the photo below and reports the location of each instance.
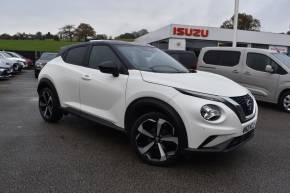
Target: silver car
(265, 73)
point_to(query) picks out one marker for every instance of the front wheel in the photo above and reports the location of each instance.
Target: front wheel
(36, 73)
(156, 139)
(15, 68)
(49, 106)
(285, 102)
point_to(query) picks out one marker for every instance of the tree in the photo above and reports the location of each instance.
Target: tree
(84, 31)
(5, 36)
(67, 32)
(39, 36)
(245, 22)
(49, 36)
(288, 33)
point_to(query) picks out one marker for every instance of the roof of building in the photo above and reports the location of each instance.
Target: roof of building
(218, 34)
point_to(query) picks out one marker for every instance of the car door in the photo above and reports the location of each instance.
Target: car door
(103, 95)
(68, 74)
(261, 83)
(223, 62)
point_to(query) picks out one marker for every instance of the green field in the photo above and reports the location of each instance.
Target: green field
(33, 45)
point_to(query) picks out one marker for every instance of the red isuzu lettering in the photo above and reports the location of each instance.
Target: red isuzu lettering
(180, 31)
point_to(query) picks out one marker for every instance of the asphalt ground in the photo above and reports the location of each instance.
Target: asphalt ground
(77, 155)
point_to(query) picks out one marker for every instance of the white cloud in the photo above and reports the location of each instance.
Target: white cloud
(114, 17)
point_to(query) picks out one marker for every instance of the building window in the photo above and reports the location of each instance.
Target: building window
(261, 46)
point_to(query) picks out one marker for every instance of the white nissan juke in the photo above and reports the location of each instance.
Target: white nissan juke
(165, 109)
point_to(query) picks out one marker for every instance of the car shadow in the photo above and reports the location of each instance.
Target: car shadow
(118, 140)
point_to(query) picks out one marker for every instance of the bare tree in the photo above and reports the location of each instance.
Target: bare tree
(67, 32)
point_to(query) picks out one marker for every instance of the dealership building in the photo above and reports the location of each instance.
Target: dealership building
(193, 38)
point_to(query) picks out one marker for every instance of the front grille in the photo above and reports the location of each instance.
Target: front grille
(246, 102)
(238, 140)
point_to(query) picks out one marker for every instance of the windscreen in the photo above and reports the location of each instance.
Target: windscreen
(283, 58)
(151, 59)
(47, 56)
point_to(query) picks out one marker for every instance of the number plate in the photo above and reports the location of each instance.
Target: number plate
(249, 127)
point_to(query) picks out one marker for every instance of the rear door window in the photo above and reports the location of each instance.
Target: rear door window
(76, 55)
(222, 58)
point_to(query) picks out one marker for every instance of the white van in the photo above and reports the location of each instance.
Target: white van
(265, 73)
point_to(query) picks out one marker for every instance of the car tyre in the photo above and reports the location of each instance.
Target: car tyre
(36, 74)
(15, 68)
(157, 138)
(49, 105)
(284, 102)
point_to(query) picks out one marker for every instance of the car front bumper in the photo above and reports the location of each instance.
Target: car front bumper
(225, 134)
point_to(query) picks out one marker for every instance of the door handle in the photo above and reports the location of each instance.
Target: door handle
(247, 73)
(86, 77)
(235, 71)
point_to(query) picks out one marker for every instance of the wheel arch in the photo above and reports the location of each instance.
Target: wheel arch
(144, 105)
(282, 93)
(45, 82)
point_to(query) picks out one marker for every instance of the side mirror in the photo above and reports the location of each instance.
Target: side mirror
(269, 69)
(109, 67)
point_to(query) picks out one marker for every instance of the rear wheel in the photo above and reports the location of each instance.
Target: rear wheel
(49, 106)
(285, 102)
(156, 139)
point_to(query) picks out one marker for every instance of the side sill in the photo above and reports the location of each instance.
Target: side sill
(92, 118)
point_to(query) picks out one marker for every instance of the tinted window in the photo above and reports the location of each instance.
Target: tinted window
(222, 58)
(76, 55)
(187, 60)
(258, 61)
(47, 56)
(212, 57)
(102, 54)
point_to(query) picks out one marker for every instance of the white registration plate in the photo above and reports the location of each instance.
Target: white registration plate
(249, 127)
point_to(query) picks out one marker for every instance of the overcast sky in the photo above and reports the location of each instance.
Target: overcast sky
(114, 17)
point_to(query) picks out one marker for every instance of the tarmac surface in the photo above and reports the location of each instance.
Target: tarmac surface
(77, 155)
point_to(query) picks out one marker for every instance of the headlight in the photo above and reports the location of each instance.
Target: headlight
(210, 112)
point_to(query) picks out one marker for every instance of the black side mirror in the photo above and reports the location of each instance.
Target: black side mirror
(109, 67)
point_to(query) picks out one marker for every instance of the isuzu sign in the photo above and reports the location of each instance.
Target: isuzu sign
(190, 32)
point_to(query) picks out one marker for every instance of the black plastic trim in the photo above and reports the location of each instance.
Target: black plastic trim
(228, 145)
(92, 118)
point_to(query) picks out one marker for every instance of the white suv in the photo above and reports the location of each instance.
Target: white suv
(141, 90)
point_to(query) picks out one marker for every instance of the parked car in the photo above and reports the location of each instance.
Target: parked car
(143, 91)
(9, 63)
(17, 64)
(187, 58)
(42, 61)
(28, 62)
(265, 73)
(5, 70)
